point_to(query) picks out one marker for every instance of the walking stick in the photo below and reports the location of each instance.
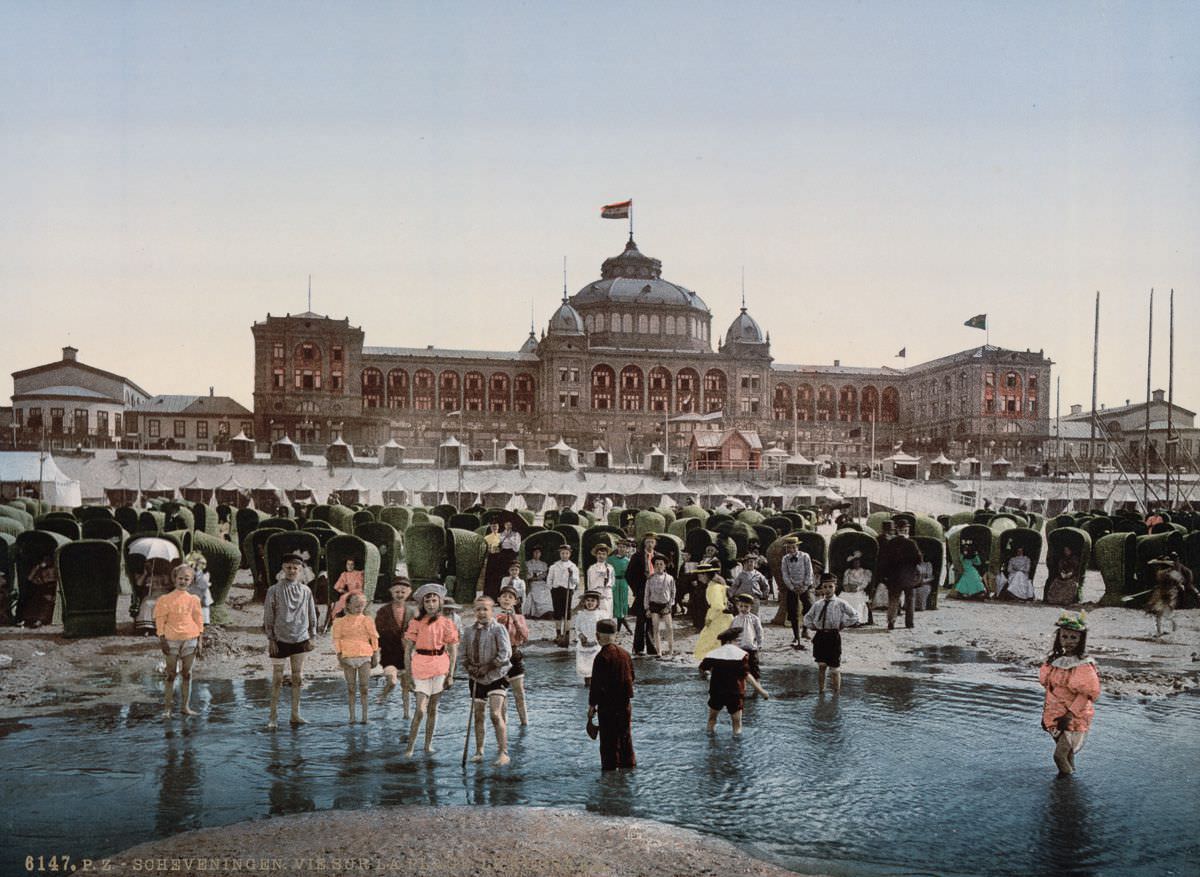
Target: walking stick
(470, 720)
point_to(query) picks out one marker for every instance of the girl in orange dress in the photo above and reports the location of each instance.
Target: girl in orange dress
(1072, 687)
(430, 654)
(356, 643)
(179, 622)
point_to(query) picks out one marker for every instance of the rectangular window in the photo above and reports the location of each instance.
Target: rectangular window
(335, 380)
(80, 421)
(277, 350)
(153, 428)
(277, 379)
(19, 413)
(56, 420)
(562, 374)
(180, 429)
(117, 424)
(223, 429)
(989, 379)
(101, 423)
(203, 446)
(248, 428)
(573, 401)
(201, 429)
(990, 406)
(335, 353)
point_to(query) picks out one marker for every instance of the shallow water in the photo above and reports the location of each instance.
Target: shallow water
(896, 776)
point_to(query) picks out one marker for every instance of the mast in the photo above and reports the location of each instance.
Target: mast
(1168, 446)
(1057, 421)
(1092, 441)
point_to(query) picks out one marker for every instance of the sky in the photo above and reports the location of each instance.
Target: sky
(880, 172)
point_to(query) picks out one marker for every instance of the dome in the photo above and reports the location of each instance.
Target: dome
(634, 278)
(745, 330)
(566, 320)
(530, 345)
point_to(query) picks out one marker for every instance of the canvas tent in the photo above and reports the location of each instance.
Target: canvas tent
(25, 471)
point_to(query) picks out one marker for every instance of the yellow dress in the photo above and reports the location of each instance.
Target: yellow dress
(716, 620)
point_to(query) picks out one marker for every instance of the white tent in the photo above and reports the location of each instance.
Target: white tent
(23, 469)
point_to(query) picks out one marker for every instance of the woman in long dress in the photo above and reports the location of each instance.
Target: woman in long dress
(620, 562)
(502, 548)
(1014, 582)
(717, 619)
(970, 584)
(855, 581)
(1064, 586)
(154, 582)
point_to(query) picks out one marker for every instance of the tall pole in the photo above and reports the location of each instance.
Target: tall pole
(667, 436)
(1058, 423)
(1092, 441)
(1168, 447)
(1146, 433)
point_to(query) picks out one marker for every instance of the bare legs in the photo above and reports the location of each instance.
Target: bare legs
(425, 704)
(1064, 756)
(357, 679)
(835, 678)
(518, 689)
(392, 674)
(297, 665)
(185, 685)
(655, 621)
(496, 704)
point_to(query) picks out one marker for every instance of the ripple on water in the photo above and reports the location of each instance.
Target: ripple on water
(895, 775)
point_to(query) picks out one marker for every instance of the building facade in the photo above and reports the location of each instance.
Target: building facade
(189, 423)
(628, 362)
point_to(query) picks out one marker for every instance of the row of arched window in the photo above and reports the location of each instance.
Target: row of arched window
(647, 324)
(634, 389)
(447, 391)
(825, 403)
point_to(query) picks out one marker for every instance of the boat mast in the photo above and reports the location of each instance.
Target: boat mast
(1168, 446)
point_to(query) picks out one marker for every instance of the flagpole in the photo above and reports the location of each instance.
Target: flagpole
(1167, 446)
(631, 219)
(1146, 433)
(1092, 441)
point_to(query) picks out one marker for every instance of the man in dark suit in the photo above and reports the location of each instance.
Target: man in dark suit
(641, 567)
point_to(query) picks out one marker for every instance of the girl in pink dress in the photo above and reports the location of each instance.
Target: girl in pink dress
(349, 582)
(1072, 686)
(430, 653)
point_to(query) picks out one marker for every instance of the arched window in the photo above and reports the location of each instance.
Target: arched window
(604, 386)
(660, 389)
(397, 388)
(372, 388)
(473, 391)
(498, 392)
(449, 397)
(825, 402)
(599, 322)
(687, 388)
(632, 388)
(870, 403)
(643, 324)
(589, 323)
(716, 388)
(804, 402)
(627, 324)
(782, 403)
(847, 404)
(654, 328)
(423, 389)
(669, 325)
(523, 391)
(889, 406)
(307, 369)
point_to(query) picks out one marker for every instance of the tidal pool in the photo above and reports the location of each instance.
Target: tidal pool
(895, 776)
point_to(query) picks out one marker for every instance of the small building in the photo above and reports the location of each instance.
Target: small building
(232, 493)
(301, 493)
(192, 423)
(902, 465)
(396, 494)
(1000, 467)
(798, 469)
(969, 467)
(196, 491)
(241, 448)
(774, 457)
(267, 497)
(732, 449)
(655, 461)
(452, 454)
(601, 458)
(338, 453)
(284, 450)
(391, 454)
(941, 467)
(351, 493)
(561, 457)
(511, 457)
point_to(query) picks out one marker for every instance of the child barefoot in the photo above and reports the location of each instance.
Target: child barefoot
(660, 598)
(430, 653)
(730, 668)
(391, 621)
(586, 644)
(827, 617)
(1072, 686)
(179, 621)
(356, 643)
(518, 635)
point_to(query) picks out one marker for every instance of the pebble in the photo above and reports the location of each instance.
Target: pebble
(5, 660)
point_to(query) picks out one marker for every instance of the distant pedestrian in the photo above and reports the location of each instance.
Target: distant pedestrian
(750, 630)
(518, 634)
(587, 616)
(563, 578)
(660, 600)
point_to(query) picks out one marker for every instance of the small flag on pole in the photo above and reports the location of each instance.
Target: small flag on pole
(979, 321)
(620, 210)
(903, 352)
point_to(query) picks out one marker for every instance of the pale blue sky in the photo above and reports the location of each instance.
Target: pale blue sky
(882, 170)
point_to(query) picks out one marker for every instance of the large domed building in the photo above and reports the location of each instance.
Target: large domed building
(627, 356)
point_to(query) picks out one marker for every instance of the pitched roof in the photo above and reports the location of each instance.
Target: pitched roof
(74, 363)
(212, 406)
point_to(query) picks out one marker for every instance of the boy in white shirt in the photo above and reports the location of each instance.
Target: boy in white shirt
(828, 615)
(513, 580)
(660, 598)
(563, 579)
(600, 578)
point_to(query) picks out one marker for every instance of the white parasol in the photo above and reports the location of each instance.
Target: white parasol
(151, 547)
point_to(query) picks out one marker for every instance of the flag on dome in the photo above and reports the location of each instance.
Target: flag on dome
(979, 321)
(620, 210)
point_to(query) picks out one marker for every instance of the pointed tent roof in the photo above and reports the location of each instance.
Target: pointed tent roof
(941, 461)
(301, 486)
(1001, 462)
(799, 460)
(392, 443)
(283, 441)
(241, 437)
(560, 445)
(655, 451)
(267, 485)
(157, 485)
(531, 489)
(194, 484)
(972, 460)
(901, 457)
(351, 484)
(510, 447)
(338, 441)
(451, 442)
(231, 483)
(775, 452)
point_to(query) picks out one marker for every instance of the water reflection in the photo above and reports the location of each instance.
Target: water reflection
(892, 775)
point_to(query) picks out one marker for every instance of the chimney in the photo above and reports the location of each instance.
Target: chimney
(1076, 409)
(837, 363)
(210, 392)
(1159, 396)
(69, 354)
(1126, 403)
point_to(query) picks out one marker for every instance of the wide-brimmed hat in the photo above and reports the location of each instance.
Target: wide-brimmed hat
(853, 556)
(430, 588)
(744, 598)
(790, 540)
(600, 546)
(707, 568)
(292, 557)
(400, 581)
(591, 593)
(1072, 622)
(509, 589)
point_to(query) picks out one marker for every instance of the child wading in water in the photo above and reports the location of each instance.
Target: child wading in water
(179, 621)
(356, 643)
(827, 617)
(518, 635)
(1072, 686)
(290, 623)
(586, 644)
(431, 652)
(660, 599)
(730, 669)
(391, 621)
